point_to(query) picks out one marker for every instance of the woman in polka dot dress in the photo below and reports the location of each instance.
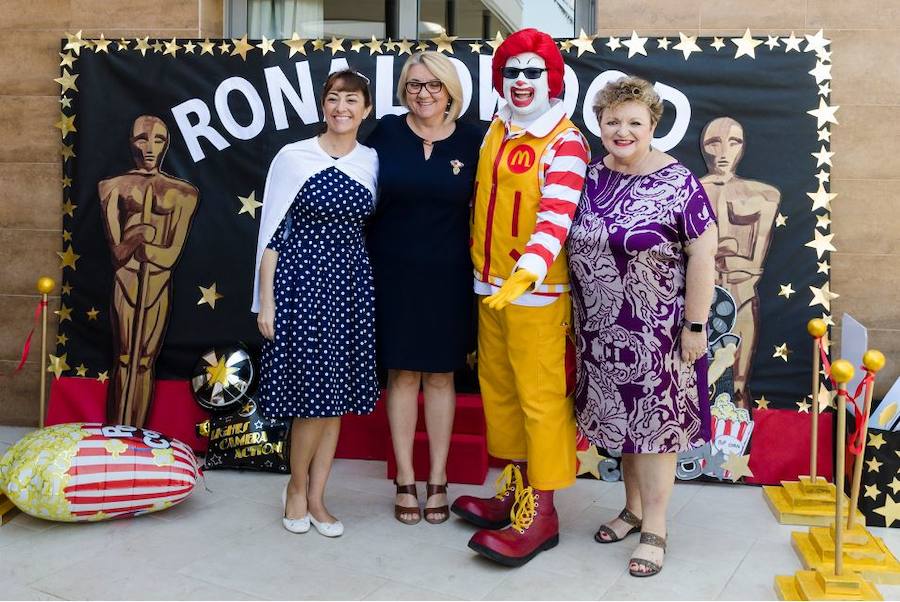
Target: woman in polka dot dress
(314, 295)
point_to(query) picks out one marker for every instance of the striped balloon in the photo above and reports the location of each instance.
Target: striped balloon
(90, 472)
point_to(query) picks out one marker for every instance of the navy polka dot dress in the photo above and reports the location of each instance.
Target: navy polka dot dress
(322, 360)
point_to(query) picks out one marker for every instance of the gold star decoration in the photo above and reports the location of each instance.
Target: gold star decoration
(635, 44)
(422, 46)
(390, 45)
(825, 89)
(876, 441)
(67, 236)
(102, 45)
(249, 204)
(498, 39)
(103, 376)
(824, 114)
(318, 44)
(872, 491)
(443, 42)
(68, 60)
(687, 45)
(68, 258)
(266, 46)
(822, 296)
(803, 406)
(68, 208)
(823, 267)
(241, 47)
(823, 176)
(772, 42)
(824, 55)
(75, 42)
(895, 485)
(663, 43)
(66, 288)
(738, 466)
(404, 47)
(821, 243)
(786, 290)
(209, 295)
(823, 221)
(821, 198)
(823, 157)
(762, 403)
(782, 351)
(224, 47)
(67, 152)
(717, 43)
(296, 44)
(206, 47)
(816, 43)
(746, 45)
(157, 46)
(61, 339)
(58, 364)
(780, 220)
(873, 465)
(589, 461)
(336, 45)
(66, 181)
(476, 47)
(122, 44)
(65, 102)
(828, 321)
(64, 313)
(564, 46)
(374, 46)
(172, 47)
(92, 313)
(142, 45)
(792, 43)
(821, 72)
(81, 370)
(584, 43)
(825, 398)
(613, 44)
(67, 81)
(356, 45)
(190, 47)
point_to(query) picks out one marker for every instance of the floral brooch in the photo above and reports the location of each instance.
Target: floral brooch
(456, 164)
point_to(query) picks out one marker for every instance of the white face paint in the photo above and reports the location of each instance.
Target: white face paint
(527, 98)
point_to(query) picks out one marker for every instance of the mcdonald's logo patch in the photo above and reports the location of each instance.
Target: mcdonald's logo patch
(520, 159)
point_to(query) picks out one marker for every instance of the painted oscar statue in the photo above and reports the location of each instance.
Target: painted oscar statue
(746, 211)
(147, 214)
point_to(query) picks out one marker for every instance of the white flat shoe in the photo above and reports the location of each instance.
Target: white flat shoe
(335, 529)
(294, 525)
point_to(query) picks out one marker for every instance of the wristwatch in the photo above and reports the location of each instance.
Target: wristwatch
(694, 326)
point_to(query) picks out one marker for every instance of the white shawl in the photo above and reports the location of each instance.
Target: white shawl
(294, 164)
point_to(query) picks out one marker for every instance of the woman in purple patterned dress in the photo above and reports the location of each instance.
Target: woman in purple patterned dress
(641, 256)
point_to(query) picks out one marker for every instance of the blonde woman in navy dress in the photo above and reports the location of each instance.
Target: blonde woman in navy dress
(314, 295)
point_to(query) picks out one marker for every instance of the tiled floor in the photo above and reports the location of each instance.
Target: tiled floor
(227, 543)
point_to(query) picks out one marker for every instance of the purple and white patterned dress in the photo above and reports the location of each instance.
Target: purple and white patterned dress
(634, 394)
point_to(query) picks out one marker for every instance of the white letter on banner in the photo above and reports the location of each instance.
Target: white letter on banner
(279, 88)
(338, 64)
(258, 120)
(489, 101)
(587, 111)
(465, 78)
(682, 116)
(384, 88)
(192, 132)
(570, 91)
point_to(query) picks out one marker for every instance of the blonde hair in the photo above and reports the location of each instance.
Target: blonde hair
(626, 89)
(442, 69)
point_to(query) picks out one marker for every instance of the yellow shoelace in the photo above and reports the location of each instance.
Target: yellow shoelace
(523, 510)
(510, 477)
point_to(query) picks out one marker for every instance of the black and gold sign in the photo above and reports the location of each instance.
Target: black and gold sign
(243, 438)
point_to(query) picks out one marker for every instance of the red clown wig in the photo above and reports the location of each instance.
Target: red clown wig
(530, 40)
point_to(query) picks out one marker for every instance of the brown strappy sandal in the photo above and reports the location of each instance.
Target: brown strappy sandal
(651, 539)
(432, 489)
(626, 516)
(401, 510)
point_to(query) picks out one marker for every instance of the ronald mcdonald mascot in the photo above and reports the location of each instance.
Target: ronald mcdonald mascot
(528, 183)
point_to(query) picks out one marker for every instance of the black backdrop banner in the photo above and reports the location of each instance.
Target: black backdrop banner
(228, 111)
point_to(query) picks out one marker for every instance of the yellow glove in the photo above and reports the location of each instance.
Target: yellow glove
(512, 289)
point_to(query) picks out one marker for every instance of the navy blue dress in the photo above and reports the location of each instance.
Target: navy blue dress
(419, 244)
(322, 360)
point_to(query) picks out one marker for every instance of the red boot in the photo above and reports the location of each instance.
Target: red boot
(534, 528)
(493, 512)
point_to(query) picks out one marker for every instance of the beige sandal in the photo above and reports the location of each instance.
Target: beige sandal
(651, 539)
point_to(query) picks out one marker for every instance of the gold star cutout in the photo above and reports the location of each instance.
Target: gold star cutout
(61, 339)
(498, 39)
(390, 45)
(74, 43)
(66, 181)
(746, 45)
(68, 60)
(823, 267)
(66, 287)
(142, 45)
(825, 89)
(318, 45)
(786, 290)
(443, 42)
(822, 296)
(589, 461)
(792, 43)
(67, 152)
(872, 491)
(803, 406)
(687, 45)
(206, 47)
(422, 46)
(876, 441)
(67, 81)
(772, 42)
(584, 43)
(824, 55)
(241, 47)
(249, 204)
(824, 135)
(172, 47)
(663, 43)
(68, 208)
(823, 157)
(821, 199)
(825, 398)
(816, 43)
(374, 46)
(356, 45)
(635, 44)
(67, 236)
(209, 295)
(57, 365)
(68, 258)
(782, 351)
(93, 313)
(157, 46)
(224, 47)
(895, 485)
(103, 376)
(65, 102)
(613, 44)
(823, 221)
(564, 46)
(828, 321)
(823, 176)
(189, 47)
(336, 45)
(102, 45)
(266, 46)
(296, 44)
(122, 44)
(762, 403)
(780, 220)
(718, 44)
(738, 466)
(476, 47)
(821, 243)
(873, 465)
(81, 370)
(405, 47)
(824, 114)
(821, 72)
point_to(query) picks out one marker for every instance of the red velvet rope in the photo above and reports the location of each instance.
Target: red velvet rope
(26, 348)
(855, 444)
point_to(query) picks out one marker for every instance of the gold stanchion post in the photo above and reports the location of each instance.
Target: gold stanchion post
(45, 286)
(873, 361)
